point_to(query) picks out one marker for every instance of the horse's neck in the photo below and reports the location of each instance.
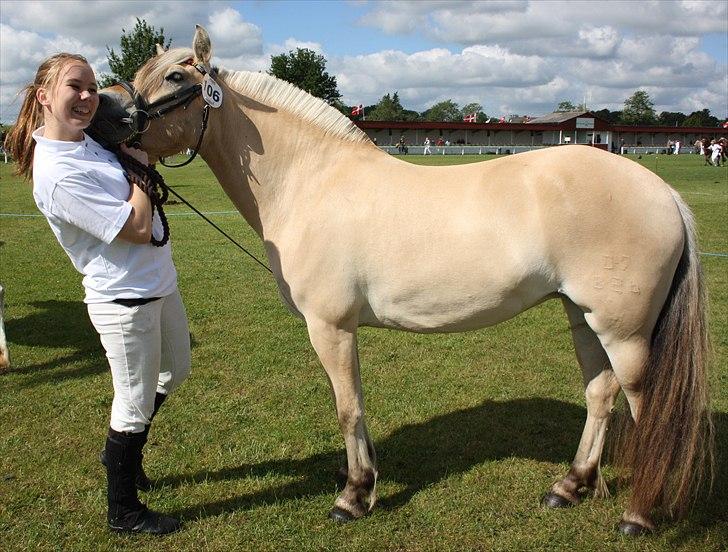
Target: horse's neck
(260, 159)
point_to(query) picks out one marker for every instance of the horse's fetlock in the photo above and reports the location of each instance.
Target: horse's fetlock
(366, 480)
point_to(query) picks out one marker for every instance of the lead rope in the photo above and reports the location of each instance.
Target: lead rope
(152, 182)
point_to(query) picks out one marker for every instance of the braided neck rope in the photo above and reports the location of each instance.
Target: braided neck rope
(152, 184)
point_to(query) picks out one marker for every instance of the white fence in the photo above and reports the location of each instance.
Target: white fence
(462, 150)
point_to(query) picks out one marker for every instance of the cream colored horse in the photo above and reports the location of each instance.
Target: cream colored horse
(357, 237)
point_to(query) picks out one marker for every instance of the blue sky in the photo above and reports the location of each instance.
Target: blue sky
(337, 26)
(511, 56)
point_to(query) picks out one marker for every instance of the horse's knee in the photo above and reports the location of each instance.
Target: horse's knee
(349, 416)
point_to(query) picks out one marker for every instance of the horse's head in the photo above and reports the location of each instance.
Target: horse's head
(164, 108)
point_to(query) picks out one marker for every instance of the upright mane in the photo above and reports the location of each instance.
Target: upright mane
(285, 96)
(261, 87)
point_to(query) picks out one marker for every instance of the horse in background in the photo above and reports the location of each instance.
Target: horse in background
(356, 237)
(706, 151)
(4, 352)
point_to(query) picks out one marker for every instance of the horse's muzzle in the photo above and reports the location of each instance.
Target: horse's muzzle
(113, 124)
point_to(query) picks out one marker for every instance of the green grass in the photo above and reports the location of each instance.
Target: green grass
(471, 429)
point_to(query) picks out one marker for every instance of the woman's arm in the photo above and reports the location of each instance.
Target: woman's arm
(138, 227)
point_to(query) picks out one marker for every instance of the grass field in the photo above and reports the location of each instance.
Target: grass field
(471, 429)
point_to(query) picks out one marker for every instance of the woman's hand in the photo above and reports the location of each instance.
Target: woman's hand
(139, 155)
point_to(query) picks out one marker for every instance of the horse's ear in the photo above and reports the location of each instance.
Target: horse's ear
(201, 46)
(160, 49)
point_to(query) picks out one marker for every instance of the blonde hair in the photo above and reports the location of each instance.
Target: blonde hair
(19, 141)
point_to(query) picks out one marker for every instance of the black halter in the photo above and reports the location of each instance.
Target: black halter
(139, 119)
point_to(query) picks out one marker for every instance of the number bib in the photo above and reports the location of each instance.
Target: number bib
(211, 92)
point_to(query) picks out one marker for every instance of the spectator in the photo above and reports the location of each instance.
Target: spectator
(717, 153)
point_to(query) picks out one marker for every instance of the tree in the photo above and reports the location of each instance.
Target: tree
(568, 105)
(701, 118)
(137, 47)
(639, 109)
(671, 118)
(447, 111)
(476, 108)
(611, 116)
(307, 70)
(389, 108)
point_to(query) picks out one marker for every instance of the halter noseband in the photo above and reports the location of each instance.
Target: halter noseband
(144, 112)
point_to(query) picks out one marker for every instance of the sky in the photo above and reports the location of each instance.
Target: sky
(511, 56)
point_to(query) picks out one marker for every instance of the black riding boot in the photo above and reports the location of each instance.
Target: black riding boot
(142, 482)
(126, 513)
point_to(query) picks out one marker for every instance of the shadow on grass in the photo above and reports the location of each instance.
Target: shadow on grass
(420, 455)
(59, 325)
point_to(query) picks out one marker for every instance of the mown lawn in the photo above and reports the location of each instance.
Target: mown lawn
(471, 429)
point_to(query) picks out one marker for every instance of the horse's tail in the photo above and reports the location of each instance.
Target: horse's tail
(670, 449)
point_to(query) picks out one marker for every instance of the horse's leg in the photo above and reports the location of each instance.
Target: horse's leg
(4, 353)
(601, 390)
(629, 359)
(337, 349)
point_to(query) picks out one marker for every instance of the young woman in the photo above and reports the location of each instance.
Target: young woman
(105, 224)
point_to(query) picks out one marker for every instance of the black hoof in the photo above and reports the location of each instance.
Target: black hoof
(552, 500)
(633, 529)
(340, 516)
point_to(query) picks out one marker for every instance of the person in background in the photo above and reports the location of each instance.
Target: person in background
(717, 152)
(105, 224)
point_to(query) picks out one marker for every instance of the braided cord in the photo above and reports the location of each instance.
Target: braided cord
(152, 184)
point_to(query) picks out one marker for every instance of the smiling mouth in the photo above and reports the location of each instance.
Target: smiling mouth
(81, 110)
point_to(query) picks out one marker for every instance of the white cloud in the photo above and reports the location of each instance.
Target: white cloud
(434, 75)
(612, 47)
(31, 31)
(522, 56)
(232, 36)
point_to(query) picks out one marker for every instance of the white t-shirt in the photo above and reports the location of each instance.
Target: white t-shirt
(81, 189)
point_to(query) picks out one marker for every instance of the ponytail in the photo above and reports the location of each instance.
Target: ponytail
(19, 142)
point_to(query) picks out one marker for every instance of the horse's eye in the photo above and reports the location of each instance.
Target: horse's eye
(175, 77)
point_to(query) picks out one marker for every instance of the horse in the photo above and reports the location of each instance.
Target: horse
(356, 237)
(707, 152)
(4, 352)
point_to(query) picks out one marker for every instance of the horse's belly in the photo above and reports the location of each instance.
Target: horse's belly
(453, 308)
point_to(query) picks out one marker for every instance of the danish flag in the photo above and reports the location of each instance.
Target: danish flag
(357, 110)
(472, 118)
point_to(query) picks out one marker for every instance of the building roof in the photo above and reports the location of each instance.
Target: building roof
(561, 116)
(535, 125)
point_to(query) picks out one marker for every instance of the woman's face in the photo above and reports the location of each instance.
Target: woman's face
(70, 102)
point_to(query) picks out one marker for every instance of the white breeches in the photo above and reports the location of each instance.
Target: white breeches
(148, 348)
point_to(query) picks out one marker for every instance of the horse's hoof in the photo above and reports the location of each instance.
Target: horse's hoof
(340, 516)
(633, 529)
(553, 500)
